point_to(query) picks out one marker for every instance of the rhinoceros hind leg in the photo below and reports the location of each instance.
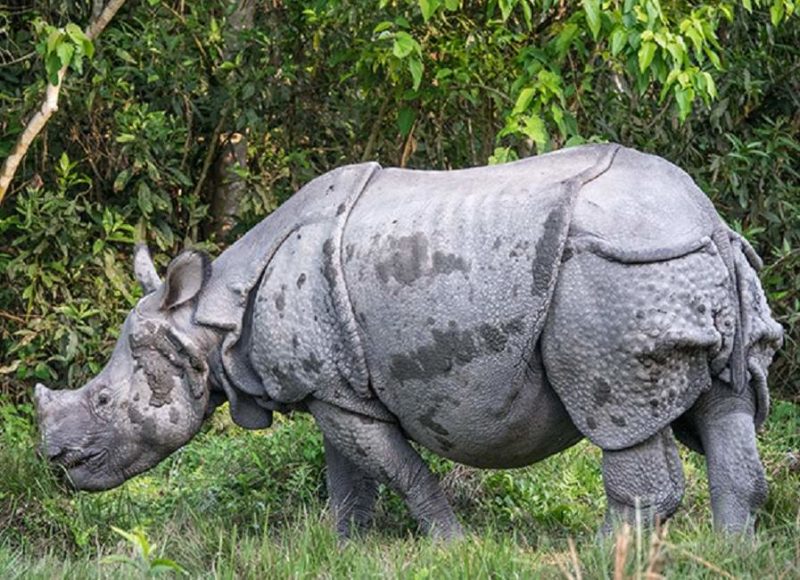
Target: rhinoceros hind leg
(647, 477)
(352, 492)
(736, 480)
(382, 452)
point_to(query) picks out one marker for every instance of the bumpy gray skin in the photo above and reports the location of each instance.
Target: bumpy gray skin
(493, 315)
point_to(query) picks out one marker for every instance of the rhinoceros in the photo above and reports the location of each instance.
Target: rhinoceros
(494, 315)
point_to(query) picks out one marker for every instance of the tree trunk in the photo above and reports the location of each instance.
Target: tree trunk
(228, 187)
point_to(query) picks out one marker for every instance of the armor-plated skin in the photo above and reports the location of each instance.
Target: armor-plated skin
(493, 315)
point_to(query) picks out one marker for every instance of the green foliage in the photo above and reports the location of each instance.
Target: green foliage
(145, 562)
(62, 47)
(712, 86)
(59, 290)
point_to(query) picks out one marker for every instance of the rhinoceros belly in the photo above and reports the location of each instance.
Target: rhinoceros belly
(450, 277)
(491, 424)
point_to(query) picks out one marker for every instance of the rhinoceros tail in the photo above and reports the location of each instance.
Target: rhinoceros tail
(736, 365)
(758, 335)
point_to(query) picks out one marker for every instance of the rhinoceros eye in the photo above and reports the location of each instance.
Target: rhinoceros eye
(101, 404)
(102, 399)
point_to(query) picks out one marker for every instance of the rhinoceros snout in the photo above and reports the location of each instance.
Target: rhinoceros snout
(46, 410)
(42, 397)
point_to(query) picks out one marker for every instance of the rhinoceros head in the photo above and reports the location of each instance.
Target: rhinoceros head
(151, 397)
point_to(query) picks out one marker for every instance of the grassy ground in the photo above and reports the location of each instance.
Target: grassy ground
(251, 504)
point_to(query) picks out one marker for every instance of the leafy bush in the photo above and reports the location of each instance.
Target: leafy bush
(138, 147)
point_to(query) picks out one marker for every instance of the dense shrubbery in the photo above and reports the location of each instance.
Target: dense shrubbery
(143, 132)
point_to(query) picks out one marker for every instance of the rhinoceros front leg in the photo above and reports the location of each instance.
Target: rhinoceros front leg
(647, 477)
(382, 452)
(352, 492)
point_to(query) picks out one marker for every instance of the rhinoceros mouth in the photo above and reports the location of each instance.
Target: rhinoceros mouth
(74, 458)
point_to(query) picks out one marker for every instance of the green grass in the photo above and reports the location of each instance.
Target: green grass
(236, 504)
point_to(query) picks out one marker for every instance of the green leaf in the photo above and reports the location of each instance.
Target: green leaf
(506, 7)
(565, 37)
(248, 90)
(551, 81)
(160, 565)
(646, 53)
(776, 12)
(502, 155)
(52, 65)
(653, 9)
(405, 120)
(574, 141)
(382, 26)
(119, 559)
(527, 14)
(415, 67)
(125, 138)
(618, 39)
(677, 50)
(592, 10)
(88, 48)
(214, 33)
(64, 164)
(523, 100)
(443, 73)
(122, 180)
(53, 39)
(404, 44)
(535, 129)
(558, 117)
(684, 98)
(748, 5)
(714, 58)
(65, 50)
(130, 536)
(711, 87)
(144, 199)
(76, 34)
(428, 8)
(452, 5)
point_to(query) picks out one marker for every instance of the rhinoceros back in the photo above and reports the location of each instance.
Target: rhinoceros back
(450, 276)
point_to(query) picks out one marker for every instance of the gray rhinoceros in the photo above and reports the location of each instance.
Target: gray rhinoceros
(494, 315)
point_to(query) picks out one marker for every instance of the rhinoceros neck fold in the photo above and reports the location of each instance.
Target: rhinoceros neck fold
(258, 294)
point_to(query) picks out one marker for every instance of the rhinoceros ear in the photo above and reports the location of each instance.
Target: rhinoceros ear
(186, 275)
(144, 269)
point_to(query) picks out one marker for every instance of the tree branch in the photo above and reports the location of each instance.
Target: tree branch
(211, 151)
(19, 59)
(50, 104)
(374, 133)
